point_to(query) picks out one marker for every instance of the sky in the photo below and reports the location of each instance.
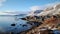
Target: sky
(23, 5)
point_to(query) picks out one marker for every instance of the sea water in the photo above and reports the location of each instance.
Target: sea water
(6, 21)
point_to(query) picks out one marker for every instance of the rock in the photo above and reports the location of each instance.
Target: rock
(31, 23)
(57, 6)
(23, 18)
(24, 25)
(13, 24)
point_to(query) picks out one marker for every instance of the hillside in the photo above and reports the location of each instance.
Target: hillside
(50, 19)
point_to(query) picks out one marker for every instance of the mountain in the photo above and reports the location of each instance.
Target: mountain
(51, 10)
(37, 11)
(55, 9)
(49, 25)
(32, 13)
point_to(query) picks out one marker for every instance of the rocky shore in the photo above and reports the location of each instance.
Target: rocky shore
(47, 26)
(47, 22)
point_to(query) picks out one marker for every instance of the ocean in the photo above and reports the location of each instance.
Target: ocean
(6, 21)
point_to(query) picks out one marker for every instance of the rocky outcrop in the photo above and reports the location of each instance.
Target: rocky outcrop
(48, 24)
(50, 19)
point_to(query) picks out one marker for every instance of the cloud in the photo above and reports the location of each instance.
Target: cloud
(42, 7)
(1, 2)
(11, 12)
(33, 8)
(7, 12)
(51, 4)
